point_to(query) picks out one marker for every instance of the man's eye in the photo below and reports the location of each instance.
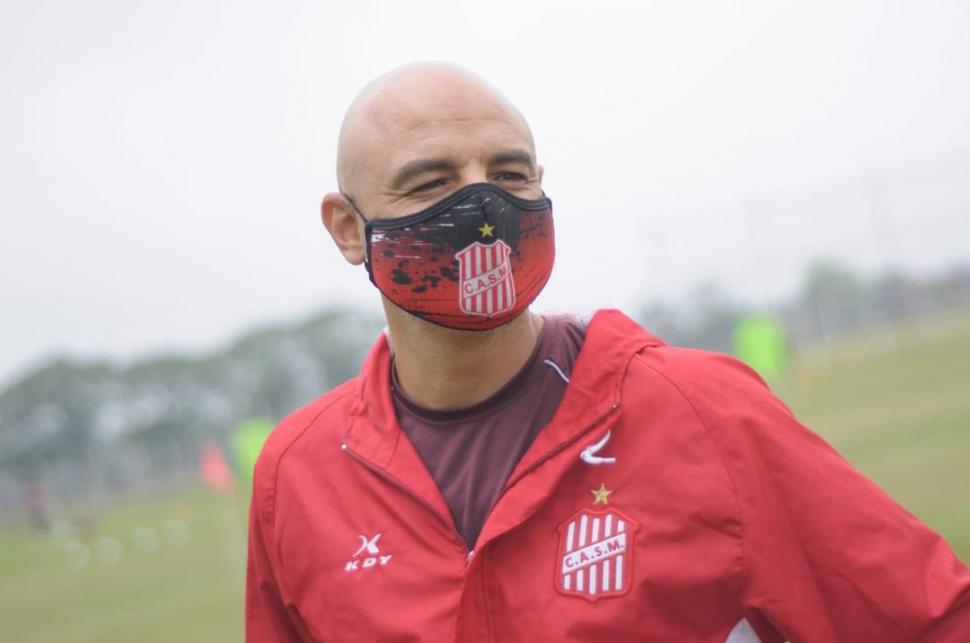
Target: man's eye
(430, 185)
(510, 176)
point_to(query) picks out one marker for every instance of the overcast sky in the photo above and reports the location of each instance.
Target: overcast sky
(162, 163)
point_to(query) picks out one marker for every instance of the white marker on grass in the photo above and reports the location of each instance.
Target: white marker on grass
(78, 555)
(109, 550)
(145, 539)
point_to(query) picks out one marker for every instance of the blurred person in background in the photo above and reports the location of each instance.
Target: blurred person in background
(494, 474)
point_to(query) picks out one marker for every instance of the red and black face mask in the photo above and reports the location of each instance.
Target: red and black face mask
(473, 261)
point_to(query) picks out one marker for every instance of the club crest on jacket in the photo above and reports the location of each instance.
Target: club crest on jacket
(595, 554)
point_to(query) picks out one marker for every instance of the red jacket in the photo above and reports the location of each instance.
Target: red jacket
(671, 498)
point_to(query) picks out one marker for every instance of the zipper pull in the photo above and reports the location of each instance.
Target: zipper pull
(468, 558)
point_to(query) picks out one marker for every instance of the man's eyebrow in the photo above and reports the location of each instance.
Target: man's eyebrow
(416, 168)
(512, 156)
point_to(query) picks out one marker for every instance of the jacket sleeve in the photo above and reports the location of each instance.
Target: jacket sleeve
(827, 555)
(268, 618)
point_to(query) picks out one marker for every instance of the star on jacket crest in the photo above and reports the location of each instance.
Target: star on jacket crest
(601, 495)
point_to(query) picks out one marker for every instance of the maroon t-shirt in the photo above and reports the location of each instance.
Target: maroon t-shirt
(471, 452)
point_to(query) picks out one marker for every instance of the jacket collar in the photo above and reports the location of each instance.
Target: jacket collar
(612, 339)
(595, 384)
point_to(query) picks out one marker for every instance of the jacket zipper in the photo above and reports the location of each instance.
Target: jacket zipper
(550, 454)
(468, 553)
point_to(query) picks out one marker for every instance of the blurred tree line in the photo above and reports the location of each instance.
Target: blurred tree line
(832, 301)
(80, 434)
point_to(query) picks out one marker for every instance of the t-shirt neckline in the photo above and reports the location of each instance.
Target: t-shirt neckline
(511, 390)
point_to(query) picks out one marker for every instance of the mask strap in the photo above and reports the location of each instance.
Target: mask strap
(366, 236)
(356, 209)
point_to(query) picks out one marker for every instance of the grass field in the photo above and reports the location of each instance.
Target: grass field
(185, 584)
(896, 402)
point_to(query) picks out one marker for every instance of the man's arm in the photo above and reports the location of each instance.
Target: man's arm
(268, 619)
(828, 556)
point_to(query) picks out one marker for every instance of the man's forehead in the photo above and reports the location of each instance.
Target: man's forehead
(418, 117)
(420, 107)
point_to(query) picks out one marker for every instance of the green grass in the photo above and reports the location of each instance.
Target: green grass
(189, 592)
(896, 402)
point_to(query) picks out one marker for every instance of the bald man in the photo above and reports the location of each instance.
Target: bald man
(497, 475)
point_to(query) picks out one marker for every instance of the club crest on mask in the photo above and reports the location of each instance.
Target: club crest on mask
(486, 286)
(473, 261)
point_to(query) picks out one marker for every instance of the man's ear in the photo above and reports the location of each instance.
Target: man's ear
(539, 172)
(344, 226)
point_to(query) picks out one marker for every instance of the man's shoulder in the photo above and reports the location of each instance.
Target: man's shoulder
(694, 367)
(322, 417)
(715, 384)
(618, 344)
(322, 414)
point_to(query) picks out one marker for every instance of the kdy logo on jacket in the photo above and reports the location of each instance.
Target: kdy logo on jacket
(595, 554)
(367, 555)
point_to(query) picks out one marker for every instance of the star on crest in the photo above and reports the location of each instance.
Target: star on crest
(486, 230)
(601, 495)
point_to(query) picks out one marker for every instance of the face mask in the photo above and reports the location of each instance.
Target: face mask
(473, 261)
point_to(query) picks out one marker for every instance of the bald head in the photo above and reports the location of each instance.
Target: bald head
(415, 105)
(414, 136)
